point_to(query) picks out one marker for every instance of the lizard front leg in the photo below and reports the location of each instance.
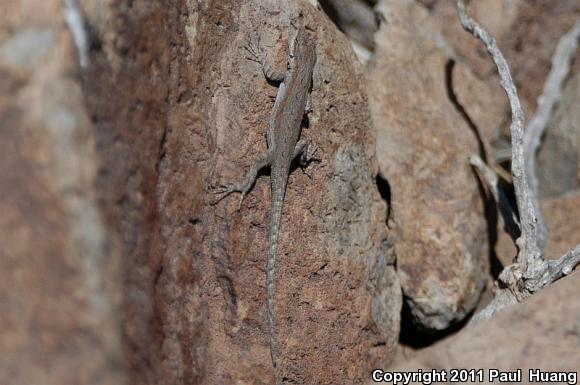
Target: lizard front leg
(248, 181)
(258, 55)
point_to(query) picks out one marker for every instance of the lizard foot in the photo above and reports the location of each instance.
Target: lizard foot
(309, 156)
(223, 191)
(255, 51)
(306, 157)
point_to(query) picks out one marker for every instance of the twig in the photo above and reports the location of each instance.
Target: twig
(488, 175)
(530, 272)
(510, 219)
(561, 267)
(551, 94)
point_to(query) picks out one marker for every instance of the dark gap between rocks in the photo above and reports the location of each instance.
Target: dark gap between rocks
(385, 190)
(356, 19)
(491, 212)
(330, 10)
(415, 337)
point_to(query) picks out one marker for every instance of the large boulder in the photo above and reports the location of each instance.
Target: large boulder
(424, 139)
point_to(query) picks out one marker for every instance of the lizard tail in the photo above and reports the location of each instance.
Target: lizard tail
(277, 200)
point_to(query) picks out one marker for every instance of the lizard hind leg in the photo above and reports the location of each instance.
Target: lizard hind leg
(305, 155)
(248, 182)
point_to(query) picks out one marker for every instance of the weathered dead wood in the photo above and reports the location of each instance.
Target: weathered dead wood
(530, 271)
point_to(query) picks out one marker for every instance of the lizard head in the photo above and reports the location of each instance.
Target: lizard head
(302, 45)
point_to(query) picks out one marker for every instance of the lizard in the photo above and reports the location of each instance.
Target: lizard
(284, 128)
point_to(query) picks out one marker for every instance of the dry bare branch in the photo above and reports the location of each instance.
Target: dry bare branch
(560, 268)
(530, 272)
(529, 253)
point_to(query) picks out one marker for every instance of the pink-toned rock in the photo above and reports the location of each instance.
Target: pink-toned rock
(531, 42)
(190, 112)
(115, 267)
(497, 16)
(60, 276)
(541, 333)
(526, 31)
(563, 220)
(423, 145)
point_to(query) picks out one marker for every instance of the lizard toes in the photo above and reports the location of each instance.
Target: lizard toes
(221, 192)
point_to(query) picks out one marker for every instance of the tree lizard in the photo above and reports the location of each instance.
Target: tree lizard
(283, 145)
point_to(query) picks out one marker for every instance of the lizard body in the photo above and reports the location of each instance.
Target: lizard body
(283, 146)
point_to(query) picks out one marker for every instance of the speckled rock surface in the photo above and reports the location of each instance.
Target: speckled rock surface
(195, 118)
